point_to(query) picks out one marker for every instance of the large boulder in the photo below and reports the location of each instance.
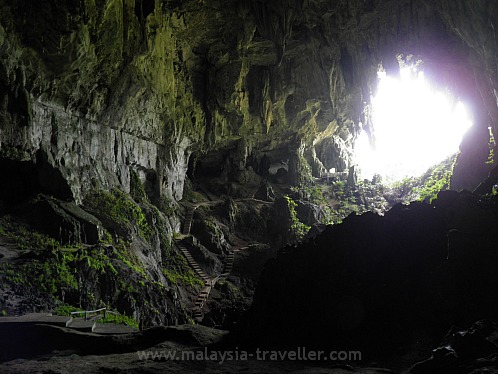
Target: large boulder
(375, 283)
(62, 220)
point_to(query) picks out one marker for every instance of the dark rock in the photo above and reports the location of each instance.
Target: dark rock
(264, 165)
(463, 351)
(210, 233)
(209, 262)
(445, 199)
(64, 221)
(309, 213)
(372, 282)
(265, 191)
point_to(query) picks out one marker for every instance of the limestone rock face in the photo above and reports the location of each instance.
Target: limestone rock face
(105, 88)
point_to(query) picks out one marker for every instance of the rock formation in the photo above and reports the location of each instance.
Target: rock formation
(122, 120)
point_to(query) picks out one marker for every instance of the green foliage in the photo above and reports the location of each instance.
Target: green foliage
(491, 157)
(119, 319)
(52, 271)
(427, 186)
(110, 317)
(66, 310)
(315, 193)
(29, 240)
(187, 277)
(435, 180)
(177, 270)
(491, 145)
(304, 172)
(297, 227)
(119, 208)
(53, 268)
(122, 252)
(137, 191)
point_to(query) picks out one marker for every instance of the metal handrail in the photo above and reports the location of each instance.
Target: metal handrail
(87, 312)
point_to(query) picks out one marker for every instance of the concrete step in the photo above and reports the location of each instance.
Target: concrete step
(83, 325)
(113, 329)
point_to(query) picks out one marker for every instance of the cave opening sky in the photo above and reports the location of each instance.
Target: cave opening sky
(413, 127)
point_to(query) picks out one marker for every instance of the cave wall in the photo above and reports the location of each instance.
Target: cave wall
(105, 87)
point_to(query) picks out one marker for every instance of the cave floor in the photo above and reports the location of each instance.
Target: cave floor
(190, 357)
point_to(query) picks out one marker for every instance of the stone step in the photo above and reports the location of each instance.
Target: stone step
(83, 325)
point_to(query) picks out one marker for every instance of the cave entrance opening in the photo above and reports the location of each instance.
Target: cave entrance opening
(412, 125)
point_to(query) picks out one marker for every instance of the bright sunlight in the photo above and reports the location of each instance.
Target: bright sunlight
(414, 128)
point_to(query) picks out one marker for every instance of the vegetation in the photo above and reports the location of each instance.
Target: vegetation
(298, 228)
(177, 270)
(52, 267)
(491, 145)
(52, 272)
(121, 319)
(137, 191)
(110, 317)
(66, 310)
(188, 277)
(117, 207)
(427, 186)
(338, 200)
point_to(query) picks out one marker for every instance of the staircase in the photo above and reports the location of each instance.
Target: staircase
(188, 220)
(229, 262)
(209, 283)
(84, 325)
(228, 265)
(193, 264)
(199, 303)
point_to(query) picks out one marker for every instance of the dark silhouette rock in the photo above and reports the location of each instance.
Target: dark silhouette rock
(265, 191)
(464, 351)
(373, 282)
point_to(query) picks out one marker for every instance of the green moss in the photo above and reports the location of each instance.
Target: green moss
(119, 319)
(53, 267)
(298, 228)
(177, 270)
(187, 277)
(119, 208)
(436, 179)
(131, 261)
(137, 191)
(110, 317)
(66, 310)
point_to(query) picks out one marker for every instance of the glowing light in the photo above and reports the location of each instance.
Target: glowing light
(414, 127)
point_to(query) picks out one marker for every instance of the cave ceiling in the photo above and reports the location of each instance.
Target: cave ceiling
(149, 83)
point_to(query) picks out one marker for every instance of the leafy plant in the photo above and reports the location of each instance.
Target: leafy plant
(118, 207)
(298, 228)
(112, 317)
